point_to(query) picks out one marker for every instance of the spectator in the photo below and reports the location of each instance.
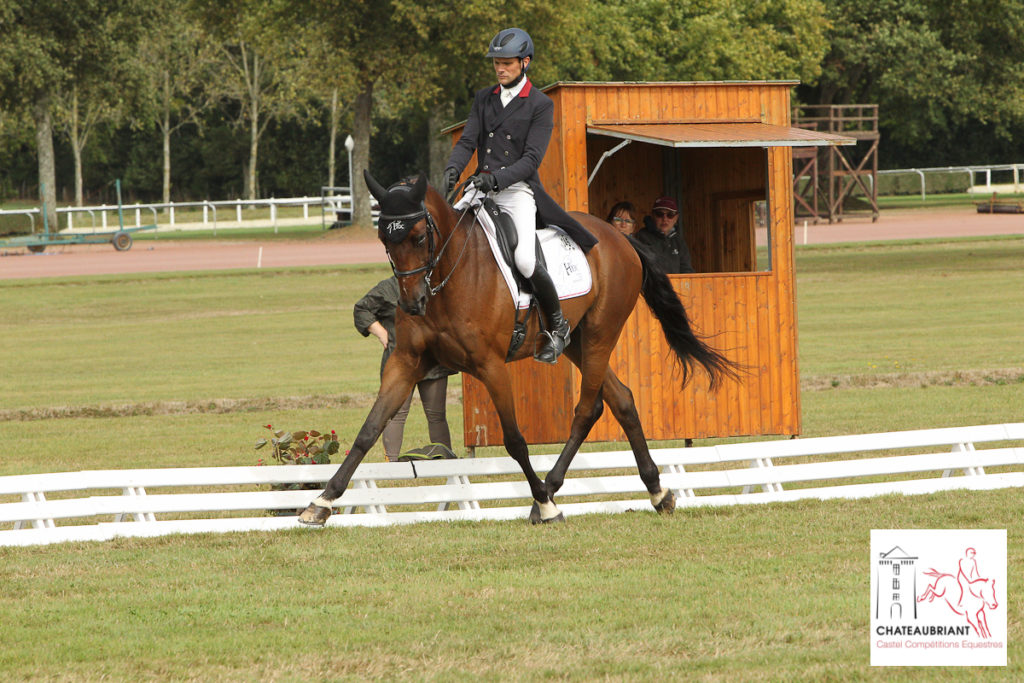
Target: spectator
(664, 239)
(623, 217)
(375, 314)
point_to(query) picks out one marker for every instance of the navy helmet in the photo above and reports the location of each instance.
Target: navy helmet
(511, 42)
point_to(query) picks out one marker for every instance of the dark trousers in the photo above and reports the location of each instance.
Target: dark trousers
(434, 395)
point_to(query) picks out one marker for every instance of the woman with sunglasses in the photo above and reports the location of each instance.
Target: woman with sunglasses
(623, 217)
(664, 239)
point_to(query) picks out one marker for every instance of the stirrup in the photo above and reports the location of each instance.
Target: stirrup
(554, 344)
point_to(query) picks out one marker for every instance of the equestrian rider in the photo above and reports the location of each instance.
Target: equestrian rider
(509, 127)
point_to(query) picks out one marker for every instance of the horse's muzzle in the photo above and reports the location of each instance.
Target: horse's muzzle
(415, 306)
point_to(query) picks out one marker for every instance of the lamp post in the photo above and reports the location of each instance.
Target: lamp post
(349, 146)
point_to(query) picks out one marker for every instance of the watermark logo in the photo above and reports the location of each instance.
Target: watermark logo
(938, 597)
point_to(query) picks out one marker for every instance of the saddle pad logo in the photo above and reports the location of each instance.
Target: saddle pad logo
(938, 597)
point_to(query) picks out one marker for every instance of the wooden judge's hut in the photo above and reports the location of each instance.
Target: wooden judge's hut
(723, 151)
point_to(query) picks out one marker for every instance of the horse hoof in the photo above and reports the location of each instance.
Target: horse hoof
(314, 515)
(535, 517)
(667, 504)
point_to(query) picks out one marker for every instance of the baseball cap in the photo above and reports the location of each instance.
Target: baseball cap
(665, 203)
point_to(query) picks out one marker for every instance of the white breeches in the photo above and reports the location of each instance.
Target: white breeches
(517, 200)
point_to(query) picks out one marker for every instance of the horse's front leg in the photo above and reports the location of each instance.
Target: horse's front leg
(396, 385)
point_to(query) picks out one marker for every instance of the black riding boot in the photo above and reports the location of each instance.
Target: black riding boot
(556, 337)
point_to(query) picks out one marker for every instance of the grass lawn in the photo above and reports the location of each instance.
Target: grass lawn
(183, 369)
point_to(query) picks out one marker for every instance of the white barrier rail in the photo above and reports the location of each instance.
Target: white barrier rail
(385, 493)
(84, 219)
(971, 172)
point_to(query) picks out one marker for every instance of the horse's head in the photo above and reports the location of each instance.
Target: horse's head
(988, 594)
(410, 237)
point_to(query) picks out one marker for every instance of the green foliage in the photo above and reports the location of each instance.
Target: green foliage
(299, 448)
(937, 70)
(660, 40)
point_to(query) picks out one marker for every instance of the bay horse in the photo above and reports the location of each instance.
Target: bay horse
(457, 311)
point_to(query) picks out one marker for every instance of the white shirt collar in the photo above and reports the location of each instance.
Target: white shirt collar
(507, 94)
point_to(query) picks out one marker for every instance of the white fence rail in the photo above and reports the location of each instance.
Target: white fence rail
(972, 175)
(110, 503)
(215, 215)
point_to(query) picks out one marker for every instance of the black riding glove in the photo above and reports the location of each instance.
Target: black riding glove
(451, 176)
(485, 182)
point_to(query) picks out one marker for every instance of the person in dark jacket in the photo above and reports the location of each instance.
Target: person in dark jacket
(509, 127)
(662, 236)
(375, 314)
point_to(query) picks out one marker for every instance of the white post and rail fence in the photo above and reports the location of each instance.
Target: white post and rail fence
(38, 509)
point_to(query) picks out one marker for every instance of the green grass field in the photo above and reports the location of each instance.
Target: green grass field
(183, 369)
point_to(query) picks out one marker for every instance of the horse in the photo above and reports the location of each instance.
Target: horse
(456, 310)
(967, 598)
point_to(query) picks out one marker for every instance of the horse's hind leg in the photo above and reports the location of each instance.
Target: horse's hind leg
(588, 411)
(620, 402)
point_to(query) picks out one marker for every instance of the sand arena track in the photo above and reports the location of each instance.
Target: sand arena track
(362, 247)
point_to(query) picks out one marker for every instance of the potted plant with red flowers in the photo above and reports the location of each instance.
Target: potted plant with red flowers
(298, 448)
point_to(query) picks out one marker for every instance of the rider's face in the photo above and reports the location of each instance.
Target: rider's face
(509, 68)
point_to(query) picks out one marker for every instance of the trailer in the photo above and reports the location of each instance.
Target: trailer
(121, 239)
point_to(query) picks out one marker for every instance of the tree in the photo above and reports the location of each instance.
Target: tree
(78, 118)
(452, 44)
(257, 69)
(931, 66)
(378, 45)
(660, 40)
(47, 44)
(175, 67)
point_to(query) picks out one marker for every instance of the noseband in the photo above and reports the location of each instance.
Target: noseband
(433, 259)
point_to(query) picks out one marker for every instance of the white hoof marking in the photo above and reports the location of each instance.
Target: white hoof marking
(656, 498)
(548, 510)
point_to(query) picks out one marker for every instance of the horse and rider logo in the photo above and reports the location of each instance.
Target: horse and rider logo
(967, 594)
(943, 602)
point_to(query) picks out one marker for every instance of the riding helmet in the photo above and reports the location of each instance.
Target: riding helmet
(511, 42)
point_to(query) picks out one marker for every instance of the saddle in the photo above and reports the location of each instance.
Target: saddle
(563, 258)
(508, 240)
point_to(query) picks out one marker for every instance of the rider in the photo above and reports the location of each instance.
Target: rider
(509, 127)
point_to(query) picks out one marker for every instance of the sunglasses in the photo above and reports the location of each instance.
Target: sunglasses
(627, 221)
(663, 213)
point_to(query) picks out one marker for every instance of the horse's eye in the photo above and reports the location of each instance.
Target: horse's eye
(420, 240)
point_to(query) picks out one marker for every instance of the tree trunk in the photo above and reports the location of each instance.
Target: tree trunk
(440, 146)
(166, 132)
(361, 216)
(44, 149)
(76, 146)
(254, 121)
(334, 138)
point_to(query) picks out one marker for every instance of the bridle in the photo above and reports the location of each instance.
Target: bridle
(433, 258)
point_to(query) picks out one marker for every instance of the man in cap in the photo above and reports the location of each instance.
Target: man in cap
(664, 239)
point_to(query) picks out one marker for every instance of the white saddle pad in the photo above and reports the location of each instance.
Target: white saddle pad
(566, 262)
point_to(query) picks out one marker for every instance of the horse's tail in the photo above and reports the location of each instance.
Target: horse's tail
(668, 309)
(934, 573)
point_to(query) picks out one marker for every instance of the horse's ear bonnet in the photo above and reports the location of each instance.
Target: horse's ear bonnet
(401, 206)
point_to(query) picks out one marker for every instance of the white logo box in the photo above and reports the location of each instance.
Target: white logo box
(938, 597)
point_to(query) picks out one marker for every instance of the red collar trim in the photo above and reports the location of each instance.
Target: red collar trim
(525, 92)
